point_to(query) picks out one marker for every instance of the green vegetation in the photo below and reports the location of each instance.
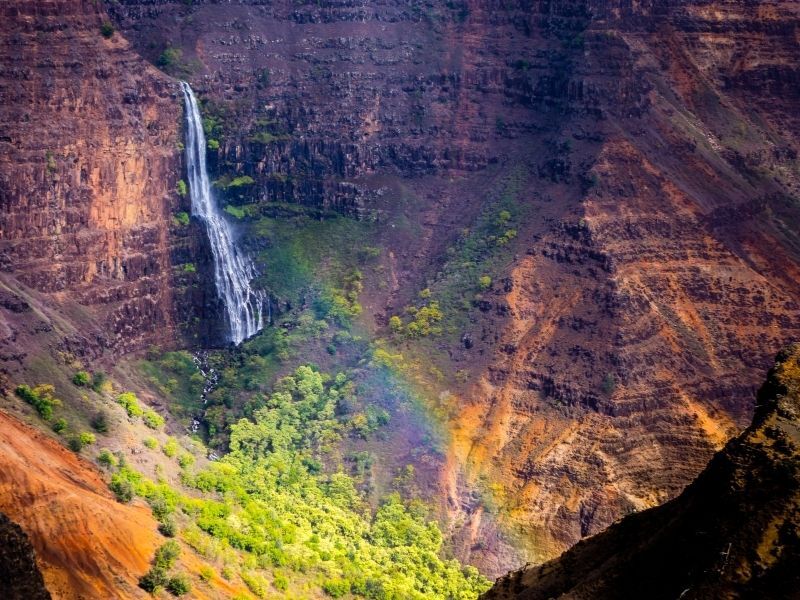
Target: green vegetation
(107, 29)
(181, 218)
(152, 419)
(189, 268)
(171, 61)
(59, 425)
(212, 144)
(479, 252)
(271, 502)
(107, 459)
(100, 383)
(158, 575)
(99, 422)
(235, 211)
(77, 442)
(171, 448)
(41, 398)
(182, 189)
(130, 403)
(226, 182)
(178, 585)
(82, 378)
(150, 442)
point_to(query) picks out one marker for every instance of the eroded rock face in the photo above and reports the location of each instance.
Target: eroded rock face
(733, 533)
(89, 160)
(654, 149)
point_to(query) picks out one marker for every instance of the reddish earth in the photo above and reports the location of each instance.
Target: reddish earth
(88, 545)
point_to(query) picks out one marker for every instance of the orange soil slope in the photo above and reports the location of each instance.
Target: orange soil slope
(88, 545)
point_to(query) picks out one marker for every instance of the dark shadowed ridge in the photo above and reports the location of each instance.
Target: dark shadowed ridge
(733, 533)
(20, 578)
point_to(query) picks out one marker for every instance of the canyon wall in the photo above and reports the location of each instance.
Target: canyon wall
(89, 160)
(653, 147)
(653, 150)
(656, 271)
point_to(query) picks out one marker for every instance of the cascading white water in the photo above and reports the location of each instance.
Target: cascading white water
(233, 271)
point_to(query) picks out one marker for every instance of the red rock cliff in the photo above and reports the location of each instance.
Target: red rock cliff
(88, 165)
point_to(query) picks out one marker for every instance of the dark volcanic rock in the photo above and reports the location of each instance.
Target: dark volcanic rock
(20, 578)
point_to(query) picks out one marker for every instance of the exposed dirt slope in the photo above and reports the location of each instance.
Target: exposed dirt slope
(733, 533)
(87, 543)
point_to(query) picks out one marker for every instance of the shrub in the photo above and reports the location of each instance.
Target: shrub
(75, 444)
(395, 324)
(107, 29)
(336, 588)
(206, 573)
(280, 582)
(41, 398)
(609, 384)
(100, 382)
(170, 57)
(171, 447)
(485, 282)
(178, 585)
(87, 438)
(182, 190)
(150, 442)
(82, 378)
(182, 218)
(255, 583)
(106, 458)
(185, 460)
(424, 321)
(60, 425)
(99, 422)
(122, 488)
(153, 580)
(167, 554)
(168, 528)
(131, 404)
(152, 419)
(213, 144)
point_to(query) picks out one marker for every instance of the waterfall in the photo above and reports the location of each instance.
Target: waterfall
(233, 271)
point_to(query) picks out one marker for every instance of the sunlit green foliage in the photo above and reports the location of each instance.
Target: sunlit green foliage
(424, 320)
(171, 448)
(268, 499)
(130, 403)
(152, 419)
(41, 397)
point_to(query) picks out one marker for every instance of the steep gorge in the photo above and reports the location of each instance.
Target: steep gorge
(649, 154)
(654, 271)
